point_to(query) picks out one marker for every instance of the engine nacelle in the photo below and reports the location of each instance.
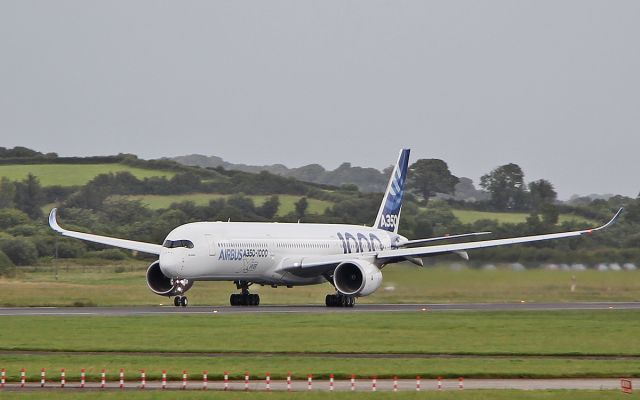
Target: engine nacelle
(160, 284)
(357, 278)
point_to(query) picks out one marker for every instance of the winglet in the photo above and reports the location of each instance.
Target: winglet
(53, 223)
(608, 224)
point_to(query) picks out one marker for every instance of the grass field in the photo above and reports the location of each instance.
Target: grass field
(287, 201)
(471, 216)
(532, 344)
(319, 367)
(103, 286)
(450, 395)
(72, 174)
(604, 332)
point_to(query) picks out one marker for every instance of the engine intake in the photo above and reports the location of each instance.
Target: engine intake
(357, 278)
(161, 284)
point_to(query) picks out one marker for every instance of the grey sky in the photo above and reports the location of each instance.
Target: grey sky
(551, 85)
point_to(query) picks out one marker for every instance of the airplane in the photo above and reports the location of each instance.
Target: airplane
(349, 257)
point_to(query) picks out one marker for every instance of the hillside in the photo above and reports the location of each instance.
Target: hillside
(74, 174)
(366, 179)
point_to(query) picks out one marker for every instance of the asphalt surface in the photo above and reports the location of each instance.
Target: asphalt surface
(165, 310)
(360, 385)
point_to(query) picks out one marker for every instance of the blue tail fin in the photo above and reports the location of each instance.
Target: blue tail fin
(389, 213)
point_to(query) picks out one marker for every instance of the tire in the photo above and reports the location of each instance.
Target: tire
(184, 302)
(176, 301)
(233, 300)
(257, 300)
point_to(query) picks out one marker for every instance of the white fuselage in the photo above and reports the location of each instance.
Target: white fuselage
(254, 251)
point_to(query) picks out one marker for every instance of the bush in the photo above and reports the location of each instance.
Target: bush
(12, 217)
(71, 249)
(21, 251)
(6, 266)
(109, 254)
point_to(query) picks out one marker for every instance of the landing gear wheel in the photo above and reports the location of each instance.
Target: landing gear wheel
(176, 301)
(183, 301)
(338, 300)
(245, 298)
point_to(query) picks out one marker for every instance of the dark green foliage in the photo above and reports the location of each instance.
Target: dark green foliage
(430, 176)
(7, 193)
(506, 186)
(29, 196)
(541, 193)
(269, 208)
(107, 254)
(301, 207)
(6, 265)
(19, 152)
(20, 250)
(68, 248)
(12, 217)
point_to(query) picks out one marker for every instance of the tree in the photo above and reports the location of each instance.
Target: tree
(7, 193)
(541, 192)
(430, 176)
(301, 207)
(506, 186)
(269, 208)
(29, 196)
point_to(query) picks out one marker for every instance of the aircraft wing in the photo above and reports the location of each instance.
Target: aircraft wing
(314, 265)
(122, 243)
(461, 247)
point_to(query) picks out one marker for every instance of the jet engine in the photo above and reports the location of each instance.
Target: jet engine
(160, 284)
(357, 278)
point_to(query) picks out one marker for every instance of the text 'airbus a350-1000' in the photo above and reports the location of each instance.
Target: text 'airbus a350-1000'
(350, 257)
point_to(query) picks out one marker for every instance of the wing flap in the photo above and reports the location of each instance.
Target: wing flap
(109, 241)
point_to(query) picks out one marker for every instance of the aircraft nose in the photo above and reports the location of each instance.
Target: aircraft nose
(169, 264)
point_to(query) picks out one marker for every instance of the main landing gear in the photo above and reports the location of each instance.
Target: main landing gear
(339, 300)
(180, 301)
(245, 298)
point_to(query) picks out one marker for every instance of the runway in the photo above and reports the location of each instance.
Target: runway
(359, 308)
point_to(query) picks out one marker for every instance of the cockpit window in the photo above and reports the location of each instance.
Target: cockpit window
(171, 244)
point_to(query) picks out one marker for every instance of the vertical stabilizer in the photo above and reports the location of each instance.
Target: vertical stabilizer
(389, 213)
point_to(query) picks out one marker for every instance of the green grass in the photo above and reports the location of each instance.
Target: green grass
(101, 285)
(72, 174)
(320, 367)
(287, 202)
(605, 332)
(445, 395)
(471, 216)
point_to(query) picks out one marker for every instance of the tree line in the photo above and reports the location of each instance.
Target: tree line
(25, 237)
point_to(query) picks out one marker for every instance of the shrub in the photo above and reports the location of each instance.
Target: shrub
(71, 249)
(21, 251)
(12, 217)
(108, 254)
(6, 265)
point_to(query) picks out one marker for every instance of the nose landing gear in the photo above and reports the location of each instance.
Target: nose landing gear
(245, 298)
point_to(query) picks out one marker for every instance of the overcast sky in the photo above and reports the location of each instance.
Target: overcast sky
(553, 86)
